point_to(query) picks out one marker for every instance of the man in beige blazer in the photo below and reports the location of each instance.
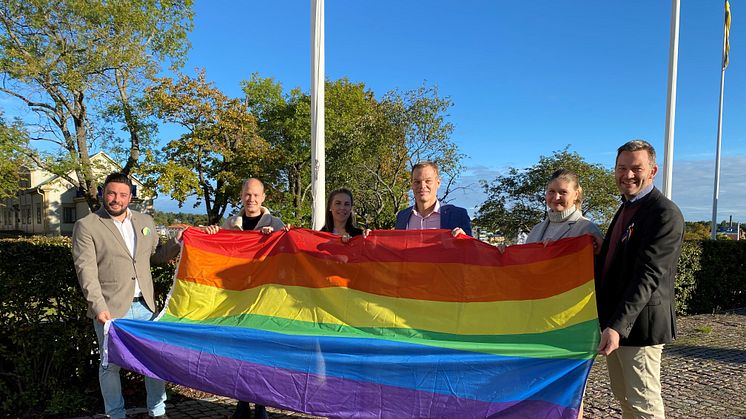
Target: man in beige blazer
(113, 249)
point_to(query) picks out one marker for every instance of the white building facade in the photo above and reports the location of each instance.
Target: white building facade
(47, 204)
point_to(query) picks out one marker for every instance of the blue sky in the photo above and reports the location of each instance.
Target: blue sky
(525, 78)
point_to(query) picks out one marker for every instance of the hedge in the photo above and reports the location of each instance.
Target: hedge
(49, 364)
(48, 349)
(711, 276)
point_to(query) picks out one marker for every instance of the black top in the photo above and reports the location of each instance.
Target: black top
(249, 223)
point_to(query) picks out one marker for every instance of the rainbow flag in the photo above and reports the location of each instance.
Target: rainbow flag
(402, 324)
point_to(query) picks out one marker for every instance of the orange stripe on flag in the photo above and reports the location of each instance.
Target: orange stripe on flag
(454, 282)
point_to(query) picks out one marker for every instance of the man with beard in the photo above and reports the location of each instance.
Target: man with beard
(113, 249)
(635, 283)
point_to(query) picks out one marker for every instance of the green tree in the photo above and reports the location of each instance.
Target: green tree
(515, 201)
(362, 142)
(371, 144)
(407, 127)
(13, 137)
(66, 59)
(168, 218)
(697, 230)
(284, 121)
(219, 149)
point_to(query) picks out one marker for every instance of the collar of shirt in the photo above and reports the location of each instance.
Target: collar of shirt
(127, 216)
(436, 210)
(646, 190)
(127, 230)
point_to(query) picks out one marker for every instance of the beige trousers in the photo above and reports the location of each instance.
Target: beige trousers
(635, 375)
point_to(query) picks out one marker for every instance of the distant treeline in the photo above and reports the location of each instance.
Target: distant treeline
(168, 218)
(700, 230)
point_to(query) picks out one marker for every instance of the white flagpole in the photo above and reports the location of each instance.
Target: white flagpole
(318, 165)
(673, 64)
(716, 190)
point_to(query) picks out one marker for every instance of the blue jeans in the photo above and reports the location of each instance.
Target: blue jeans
(108, 377)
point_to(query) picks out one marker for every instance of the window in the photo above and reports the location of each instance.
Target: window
(38, 214)
(28, 215)
(68, 215)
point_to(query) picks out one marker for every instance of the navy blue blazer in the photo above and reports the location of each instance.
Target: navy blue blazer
(451, 217)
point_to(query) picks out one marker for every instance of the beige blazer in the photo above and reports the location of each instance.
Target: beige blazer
(106, 270)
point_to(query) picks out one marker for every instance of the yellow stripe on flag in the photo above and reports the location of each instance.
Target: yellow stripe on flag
(347, 307)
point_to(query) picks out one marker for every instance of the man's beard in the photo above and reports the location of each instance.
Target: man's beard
(114, 213)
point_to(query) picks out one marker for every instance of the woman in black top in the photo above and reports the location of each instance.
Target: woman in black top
(339, 216)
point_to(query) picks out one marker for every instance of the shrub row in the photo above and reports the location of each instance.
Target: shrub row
(711, 276)
(48, 349)
(49, 355)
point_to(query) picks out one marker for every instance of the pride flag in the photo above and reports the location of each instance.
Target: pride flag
(402, 324)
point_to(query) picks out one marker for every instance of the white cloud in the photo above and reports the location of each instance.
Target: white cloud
(694, 182)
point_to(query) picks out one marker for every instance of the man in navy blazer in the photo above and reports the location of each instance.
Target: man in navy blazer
(427, 212)
(635, 283)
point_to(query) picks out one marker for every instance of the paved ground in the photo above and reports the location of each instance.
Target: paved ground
(704, 376)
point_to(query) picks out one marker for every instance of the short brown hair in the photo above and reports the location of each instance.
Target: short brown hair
(118, 177)
(425, 163)
(637, 145)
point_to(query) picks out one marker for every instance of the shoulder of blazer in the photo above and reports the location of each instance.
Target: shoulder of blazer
(452, 212)
(452, 209)
(141, 220)
(402, 217)
(654, 200)
(96, 217)
(100, 214)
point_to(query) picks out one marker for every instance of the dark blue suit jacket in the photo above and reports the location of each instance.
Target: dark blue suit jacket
(451, 217)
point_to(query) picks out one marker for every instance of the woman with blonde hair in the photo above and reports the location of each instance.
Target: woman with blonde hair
(564, 196)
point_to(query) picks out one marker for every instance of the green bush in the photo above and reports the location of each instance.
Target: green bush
(686, 280)
(47, 345)
(712, 275)
(48, 350)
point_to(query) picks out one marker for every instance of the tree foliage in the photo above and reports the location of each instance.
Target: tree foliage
(220, 146)
(66, 59)
(697, 230)
(284, 121)
(167, 218)
(371, 144)
(13, 137)
(515, 201)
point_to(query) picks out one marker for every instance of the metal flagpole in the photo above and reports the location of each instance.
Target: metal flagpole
(673, 64)
(716, 191)
(318, 165)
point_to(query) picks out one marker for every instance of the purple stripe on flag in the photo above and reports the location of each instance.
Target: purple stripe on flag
(303, 392)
